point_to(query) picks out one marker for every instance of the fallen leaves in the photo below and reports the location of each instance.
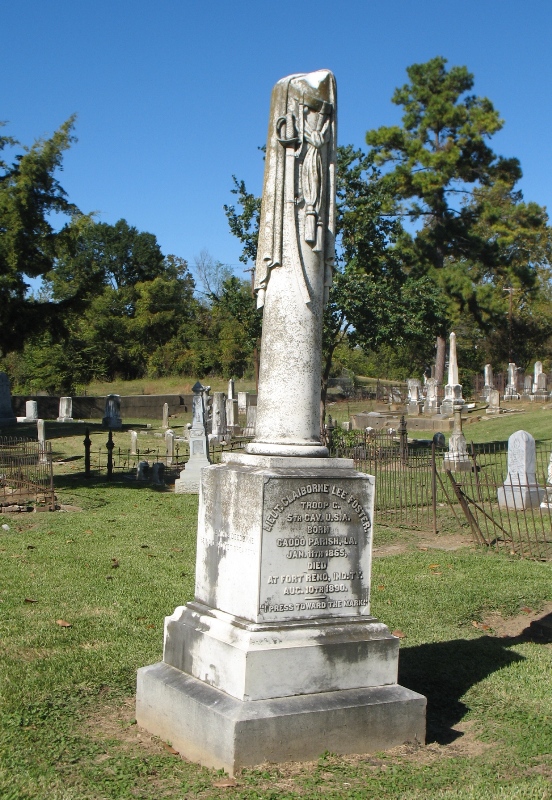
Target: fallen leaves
(114, 563)
(63, 623)
(170, 749)
(30, 600)
(225, 783)
(399, 634)
(481, 625)
(526, 610)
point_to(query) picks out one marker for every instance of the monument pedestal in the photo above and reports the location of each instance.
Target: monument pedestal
(278, 657)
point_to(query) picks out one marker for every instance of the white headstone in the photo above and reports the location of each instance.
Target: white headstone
(431, 405)
(65, 413)
(457, 458)
(219, 428)
(189, 480)
(169, 444)
(165, 415)
(453, 390)
(494, 402)
(250, 421)
(31, 411)
(278, 655)
(41, 436)
(511, 392)
(489, 380)
(243, 402)
(232, 417)
(231, 390)
(537, 370)
(142, 471)
(133, 442)
(7, 417)
(520, 489)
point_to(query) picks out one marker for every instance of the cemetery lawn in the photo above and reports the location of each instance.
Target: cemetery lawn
(83, 594)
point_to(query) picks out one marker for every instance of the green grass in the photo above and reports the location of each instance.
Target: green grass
(115, 569)
(177, 384)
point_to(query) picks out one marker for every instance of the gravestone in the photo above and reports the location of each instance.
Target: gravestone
(415, 402)
(219, 427)
(546, 502)
(542, 385)
(250, 421)
(188, 482)
(65, 411)
(511, 392)
(278, 657)
(133, 442)
(41, 436)
(7, 417)
(231, 395)
(232, 417)
(488, 381)
(158, 473)
(31, 411)
(142, 471)
(112, 414)
(169, 446)
(494, 402)
(457, 458)
(243, 402)
(453, 390)
(537, 370)
(431, 404)
(527, 386)
(520, 489)
(165, 416)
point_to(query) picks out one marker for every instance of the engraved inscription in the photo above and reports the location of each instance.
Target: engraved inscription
(316, 549)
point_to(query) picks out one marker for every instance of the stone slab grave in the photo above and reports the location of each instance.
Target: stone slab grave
(278, 657)
(7, 417)
(520, 489)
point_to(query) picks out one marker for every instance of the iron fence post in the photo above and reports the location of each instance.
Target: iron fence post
(87, 446)
(110, 444)
(434, 487)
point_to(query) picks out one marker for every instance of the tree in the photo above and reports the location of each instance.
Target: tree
(29, 244)
(446, 179)
(373, 299)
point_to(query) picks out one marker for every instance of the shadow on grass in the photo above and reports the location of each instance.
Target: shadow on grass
(445, 671)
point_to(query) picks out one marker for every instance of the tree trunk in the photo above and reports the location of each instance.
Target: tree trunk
(440, 359)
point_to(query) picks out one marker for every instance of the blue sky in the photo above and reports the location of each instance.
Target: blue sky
(172, 96)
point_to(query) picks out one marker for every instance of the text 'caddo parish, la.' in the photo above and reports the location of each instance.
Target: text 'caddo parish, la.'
(318, 511)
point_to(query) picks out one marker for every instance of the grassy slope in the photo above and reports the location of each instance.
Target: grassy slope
(66, 713)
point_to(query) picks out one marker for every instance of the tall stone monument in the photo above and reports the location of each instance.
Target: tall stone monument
(189, 480)
(537, 370)
(511, 392)
(7, 417)
(457, 458)
(453, 389)
(415, 402)
(278, 657)
(489, 381)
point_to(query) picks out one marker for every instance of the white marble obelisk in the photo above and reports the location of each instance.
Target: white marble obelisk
(453, 390)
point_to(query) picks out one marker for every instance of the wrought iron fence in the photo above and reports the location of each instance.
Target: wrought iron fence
(26, 474)
(504, 511)
(413, 489)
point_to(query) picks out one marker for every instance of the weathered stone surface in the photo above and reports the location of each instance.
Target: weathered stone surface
(243, 402)
(112, 417)
(133, 442)
(457, 458)
(537, 371)
(216, 730)
(7, 417)
(511, 392)
(165, 423)
(295, 258)
(431, 405)
(520, 489)
(31, 411)
(494, 402)
(190, 477)
(65, 413)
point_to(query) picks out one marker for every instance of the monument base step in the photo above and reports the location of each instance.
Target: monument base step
(210, 727)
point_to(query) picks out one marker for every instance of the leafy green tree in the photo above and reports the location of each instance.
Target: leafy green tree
(474, 235)
(29, 243)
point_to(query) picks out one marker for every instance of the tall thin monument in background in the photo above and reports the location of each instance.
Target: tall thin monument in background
(278, 658)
